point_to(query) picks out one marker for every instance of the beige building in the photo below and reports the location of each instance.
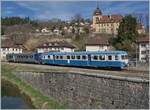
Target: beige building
(98, 44)
(109, 24)
(55, 47)
(7, 47)
(143, 46)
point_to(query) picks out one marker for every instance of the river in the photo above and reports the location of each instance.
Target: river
(12, 99)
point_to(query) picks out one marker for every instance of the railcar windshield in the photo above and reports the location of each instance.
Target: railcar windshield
(123, 57)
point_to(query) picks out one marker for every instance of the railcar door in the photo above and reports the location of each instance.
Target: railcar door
(89, 60)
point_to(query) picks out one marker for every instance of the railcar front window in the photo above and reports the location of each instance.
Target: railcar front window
(123, 57)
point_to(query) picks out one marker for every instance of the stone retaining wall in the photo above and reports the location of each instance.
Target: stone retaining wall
(78, 90)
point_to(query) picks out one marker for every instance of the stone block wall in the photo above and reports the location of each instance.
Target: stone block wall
(87, 91)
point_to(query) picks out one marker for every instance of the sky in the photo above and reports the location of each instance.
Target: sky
(65, 10)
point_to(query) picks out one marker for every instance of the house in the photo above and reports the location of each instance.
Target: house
(56, 46)
(109, 24)
(56, 31)
(44, 30)
(143, 49)
(98, 44)
(140, 28)
(7, 46)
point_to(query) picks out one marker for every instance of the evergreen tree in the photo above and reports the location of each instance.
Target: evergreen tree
(127, 34)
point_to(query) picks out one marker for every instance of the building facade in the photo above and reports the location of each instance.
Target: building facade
(143, 47)
(109, 24)
(8, 47)
(98, 44)
(55, 47)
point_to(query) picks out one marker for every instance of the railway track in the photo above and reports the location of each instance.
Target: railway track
(127, 73)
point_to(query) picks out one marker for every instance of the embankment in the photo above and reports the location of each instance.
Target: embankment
(80, 90)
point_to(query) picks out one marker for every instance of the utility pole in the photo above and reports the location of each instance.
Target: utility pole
(136, 53)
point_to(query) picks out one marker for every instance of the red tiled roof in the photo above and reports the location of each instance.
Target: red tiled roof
(56, 44)
(144, 39)
(140, 26)
(8, 43)
(111, 18)
(98, 41)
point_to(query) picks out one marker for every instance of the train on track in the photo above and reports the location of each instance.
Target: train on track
(103, 59)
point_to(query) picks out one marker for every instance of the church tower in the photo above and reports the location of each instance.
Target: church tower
(97, 15)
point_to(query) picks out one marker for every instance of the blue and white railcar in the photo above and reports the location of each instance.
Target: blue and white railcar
(24, 57)
(104, 59)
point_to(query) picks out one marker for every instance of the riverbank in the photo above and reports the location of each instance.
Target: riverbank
(38, 100)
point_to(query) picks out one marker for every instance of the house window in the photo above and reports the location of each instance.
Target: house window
(143, 45)
(143, 52)
(3, 49)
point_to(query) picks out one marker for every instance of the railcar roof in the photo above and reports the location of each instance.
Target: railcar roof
(85, 53)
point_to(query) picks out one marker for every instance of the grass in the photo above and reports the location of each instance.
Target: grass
(38, 100)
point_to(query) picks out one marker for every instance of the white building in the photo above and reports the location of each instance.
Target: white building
(98, 44)
(55, 47)
(8, 47)
(45, 30)
(143, 46)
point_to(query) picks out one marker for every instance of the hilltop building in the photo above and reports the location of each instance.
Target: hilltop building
(55, 47)
(143, 46)
(109, 24)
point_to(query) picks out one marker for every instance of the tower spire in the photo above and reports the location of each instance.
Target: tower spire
(97, 5)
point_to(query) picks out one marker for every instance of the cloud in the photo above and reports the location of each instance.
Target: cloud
(66, 10)
(28, 4)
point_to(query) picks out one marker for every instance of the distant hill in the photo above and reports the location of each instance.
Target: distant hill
(9, 21)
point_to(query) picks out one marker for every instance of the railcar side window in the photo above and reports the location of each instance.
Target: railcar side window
(61, 57)
(72, 57)
(95, 57)
(78, 57)
(57, 57)
(68, 57)
(102, 57)
(116, 57)
(49, 57)
(84, 57)
(109, 57)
